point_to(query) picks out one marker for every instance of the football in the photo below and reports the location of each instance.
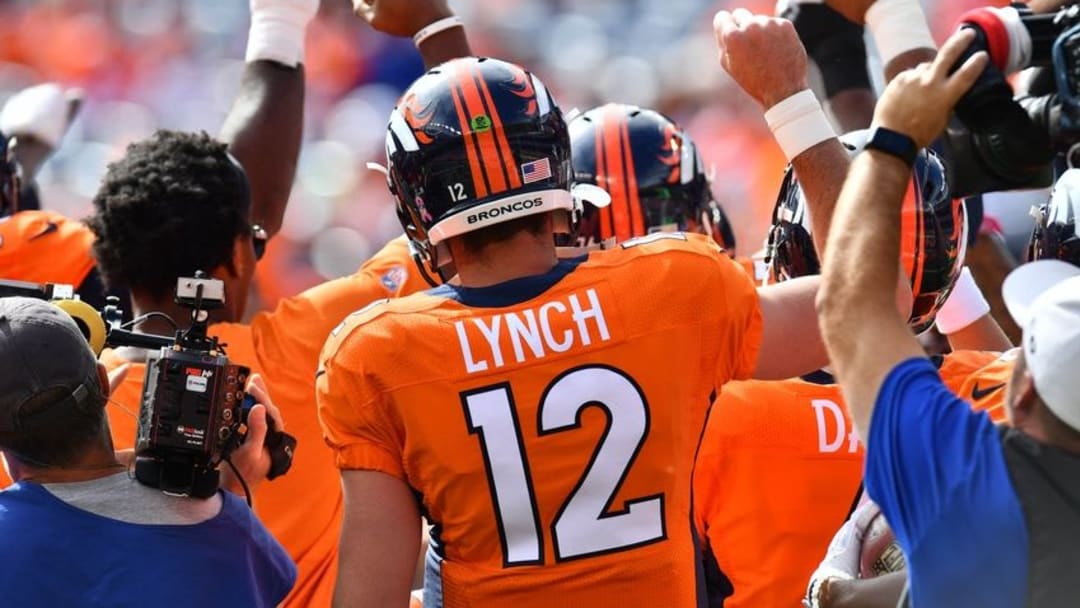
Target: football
(880, 553)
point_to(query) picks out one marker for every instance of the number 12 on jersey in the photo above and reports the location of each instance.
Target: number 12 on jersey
(584, 525)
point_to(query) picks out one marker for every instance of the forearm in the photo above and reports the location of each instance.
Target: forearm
(852, 109)
(821, 171)
(983, 334)
(264, 130)
(866, 231)
(444, 46)
(880, 592)
(787, 309)
(862, 329)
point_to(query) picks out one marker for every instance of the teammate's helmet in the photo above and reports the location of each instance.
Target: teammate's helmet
(651, 169)
(1057, 235)
(9, 179)
(933, 235)
(473, 143)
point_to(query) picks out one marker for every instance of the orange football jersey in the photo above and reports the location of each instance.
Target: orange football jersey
(549, 424)
(303, 508)
(45, 247)
(777, 473)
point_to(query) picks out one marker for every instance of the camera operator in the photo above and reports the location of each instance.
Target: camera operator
(985, 516)
(76, 529)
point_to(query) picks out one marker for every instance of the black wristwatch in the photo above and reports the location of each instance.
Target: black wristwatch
(891, 142)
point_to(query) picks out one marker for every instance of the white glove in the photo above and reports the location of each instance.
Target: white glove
(842, 558)
(41, 111)
(278, 28)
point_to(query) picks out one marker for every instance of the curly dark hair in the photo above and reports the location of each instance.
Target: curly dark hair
(174, 204)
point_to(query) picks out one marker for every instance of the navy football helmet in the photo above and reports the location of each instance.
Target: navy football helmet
(933, 236)
(1057, 235)
(473, 143)
(651, 169)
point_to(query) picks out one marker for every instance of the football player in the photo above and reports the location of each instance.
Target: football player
(528, 411)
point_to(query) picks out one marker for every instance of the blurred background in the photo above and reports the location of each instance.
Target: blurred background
(149, 64)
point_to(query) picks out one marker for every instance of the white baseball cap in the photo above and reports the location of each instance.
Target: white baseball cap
(1043, 298)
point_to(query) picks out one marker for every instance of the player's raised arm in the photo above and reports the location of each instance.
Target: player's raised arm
(764, 56)
(438, 33)
(265, 124)
(859, 284)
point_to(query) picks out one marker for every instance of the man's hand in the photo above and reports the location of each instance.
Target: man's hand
(854, 10)
(918, 102)
(763, 54)
(252, 459)
(401, 17)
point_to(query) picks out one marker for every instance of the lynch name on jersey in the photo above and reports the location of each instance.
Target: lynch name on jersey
(555, 326)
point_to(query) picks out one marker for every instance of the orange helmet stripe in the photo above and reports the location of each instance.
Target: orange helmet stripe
(485, 140)
(512, 171)
(637, 223)
(615, 176)
(471, 154)
(908, 235)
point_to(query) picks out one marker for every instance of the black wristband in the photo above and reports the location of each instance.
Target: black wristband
(894, 144)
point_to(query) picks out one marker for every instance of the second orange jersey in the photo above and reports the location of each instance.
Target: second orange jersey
(549, 424)
(778, 471)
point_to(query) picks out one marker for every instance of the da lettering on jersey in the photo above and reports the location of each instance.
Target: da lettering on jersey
(556, 325)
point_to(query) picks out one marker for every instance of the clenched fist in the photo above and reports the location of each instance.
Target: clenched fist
(763, 54)
(401, 17)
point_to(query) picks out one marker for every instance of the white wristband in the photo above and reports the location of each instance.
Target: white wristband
(436, 28)
(898, 26)
(966, 304)
(798, 123)
(278, 29)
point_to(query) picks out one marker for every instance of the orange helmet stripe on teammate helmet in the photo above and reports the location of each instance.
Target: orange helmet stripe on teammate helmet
(615, 218)
(909, 243)
(483, 138)
(471, 152)
(637, 223)
(501, 143)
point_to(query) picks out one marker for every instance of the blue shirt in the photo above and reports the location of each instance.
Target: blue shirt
(54, 554)
(938, 472)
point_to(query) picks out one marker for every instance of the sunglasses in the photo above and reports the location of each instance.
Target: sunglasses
(259, 237)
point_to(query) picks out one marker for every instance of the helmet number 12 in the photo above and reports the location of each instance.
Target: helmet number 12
(457, 192)
(584, 524)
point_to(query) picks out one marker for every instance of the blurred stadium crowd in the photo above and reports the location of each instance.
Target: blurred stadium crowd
(148, 64)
